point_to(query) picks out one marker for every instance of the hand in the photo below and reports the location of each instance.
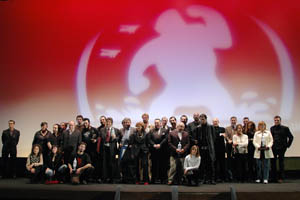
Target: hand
(185, 172)
(94, 140)
(121, 145)
(267, 148)
(229, 141)
(196, 141)
(182, 151)
(158, 146)
(177, 150)
(32, 170)
(71, 170)
(235, 144)
(78, 171)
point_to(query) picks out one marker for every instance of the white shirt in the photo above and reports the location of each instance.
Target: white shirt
(191, 162)
(242, 141)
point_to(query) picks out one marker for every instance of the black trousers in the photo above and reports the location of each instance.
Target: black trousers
(251, 162)
(241, 165)
(194, 176)
(143, 158)
(9, 159)
(159, 166)
(208, 168)
(109, 164)
(37, 176)
(220, 165)
(229, 162)
(127, 167)
(278, 154)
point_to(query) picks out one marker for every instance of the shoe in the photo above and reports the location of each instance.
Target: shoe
(213, 182)
(84, 182)
(99, 181)
(280, 181)
(257, 181)
(170, 183)
(146, 183)
(265, 181)
(137, 183)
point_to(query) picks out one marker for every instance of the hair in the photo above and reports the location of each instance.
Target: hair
(40, 149)
(173, 117)
(203, 115)
(79, 116)
(185, 117)
(87, 119)
(233, 117)
(277, 116)
(197, 148)
(261, 123)
(102, 116)
(239, 125)
(58, 150)
(82, 143)
(126, 119)
(145, 114)
(250, 127)
(43, 124)
(157, 119)
(246, 118)
(11, 121)
(140, 124)
(110, 119)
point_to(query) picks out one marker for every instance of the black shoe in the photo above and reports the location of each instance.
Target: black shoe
(84, 182)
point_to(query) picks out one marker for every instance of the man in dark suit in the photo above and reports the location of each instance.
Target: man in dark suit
(158, 140)
(206, 142)
(10, 140)
(283, 139)
(71, 139)
(179, 142)
(191, 127)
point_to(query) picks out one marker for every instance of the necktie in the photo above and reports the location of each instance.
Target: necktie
(107, 136)
(98, 144)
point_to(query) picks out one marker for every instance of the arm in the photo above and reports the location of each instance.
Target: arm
(270, 144)
(41, 161)
(3, 138)
(244, 142)
(196, 166)
(150, 139)
(28, 165)
(255, 138)
(186, 147)
(290, 138)
(172, 147)
(18, 137)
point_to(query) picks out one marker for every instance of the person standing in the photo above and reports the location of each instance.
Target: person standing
(250, 131)
(229, 132)
(283, 139)
(263, 142)
(41, 138)
(10, 140)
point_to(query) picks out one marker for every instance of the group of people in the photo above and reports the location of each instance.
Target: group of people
(182, 153)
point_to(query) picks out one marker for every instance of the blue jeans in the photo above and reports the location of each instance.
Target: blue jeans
(263, 166)
(50, 172)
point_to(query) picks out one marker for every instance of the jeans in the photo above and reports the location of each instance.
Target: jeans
(50, 173)
(263, 166)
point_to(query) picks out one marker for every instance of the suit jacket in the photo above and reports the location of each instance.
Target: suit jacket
(191, 130)
(122, 133)
(173, 141)
(282, 137)
(9, 141)
(210, 139)
(113, 139)
(154, 138)
(71, 141)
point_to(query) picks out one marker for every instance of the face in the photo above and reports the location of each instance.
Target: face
(215, 122)
(86, 124)
(180, 127)
(44, 127)
(54, 149)
(36, 150)
(203, 120)
(183, 119)
(139, 128)
(11, 125)
(194, 151)
(81, 148)
(127, 124)
(261, 127)
(245, 121)
(71, 125)
(102, 121)
(63, 125)
(277, 121)
(164, 121)
(55, 128)
(79, 120)
(196, 117)
(145, 118)
(239, 129)
(233, 121)
(172, 121)
(109, 123)
(157, 124)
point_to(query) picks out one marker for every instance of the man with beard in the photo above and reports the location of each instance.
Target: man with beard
(148, 126)
(110, 137)
(126, 158)
(192, 127)
(56, 137)
(10, 140)
(79, 125)
(80, 165)
(220, 151)
(179, 142)
(173, 122)
(100, 150)
(206, 142)
(184, 120)
(164, 123)
(229, 132)
(158, 140)
(41, 138)
(71, 139)
(89, 136)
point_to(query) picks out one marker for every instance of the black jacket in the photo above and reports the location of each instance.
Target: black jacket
(210, 139)
(54, 165)
(154, 138)
(219, 142)
(282, 137)
(9, 141)
(138, 143)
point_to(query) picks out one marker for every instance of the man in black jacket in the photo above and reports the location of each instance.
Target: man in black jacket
(206, 138)
(158, 139)
(192, 127)
(283, 139)
(10, 140)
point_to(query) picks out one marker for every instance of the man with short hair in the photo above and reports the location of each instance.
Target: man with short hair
(192, 127)
(184, 120)
(10, 140)
(179, 142)
(148, 126)
(79, 125)
(282, 139)
(229, 132)
(173, 122)
(80, 165)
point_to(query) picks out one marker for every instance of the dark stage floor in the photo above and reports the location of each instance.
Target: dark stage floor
(20, 189)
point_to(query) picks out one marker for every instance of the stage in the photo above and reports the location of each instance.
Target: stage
(21, 189)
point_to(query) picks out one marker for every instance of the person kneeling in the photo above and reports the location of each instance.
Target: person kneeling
(191, 165)
(34, 164)
(80, 166)
(55, 167)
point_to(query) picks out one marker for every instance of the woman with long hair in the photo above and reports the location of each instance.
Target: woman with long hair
(191, 165)
(34, 164)
(263, 142)
(250, 130)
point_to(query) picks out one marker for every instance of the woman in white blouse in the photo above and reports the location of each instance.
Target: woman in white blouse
(191, 165)
(240, 144)
(263, 142)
